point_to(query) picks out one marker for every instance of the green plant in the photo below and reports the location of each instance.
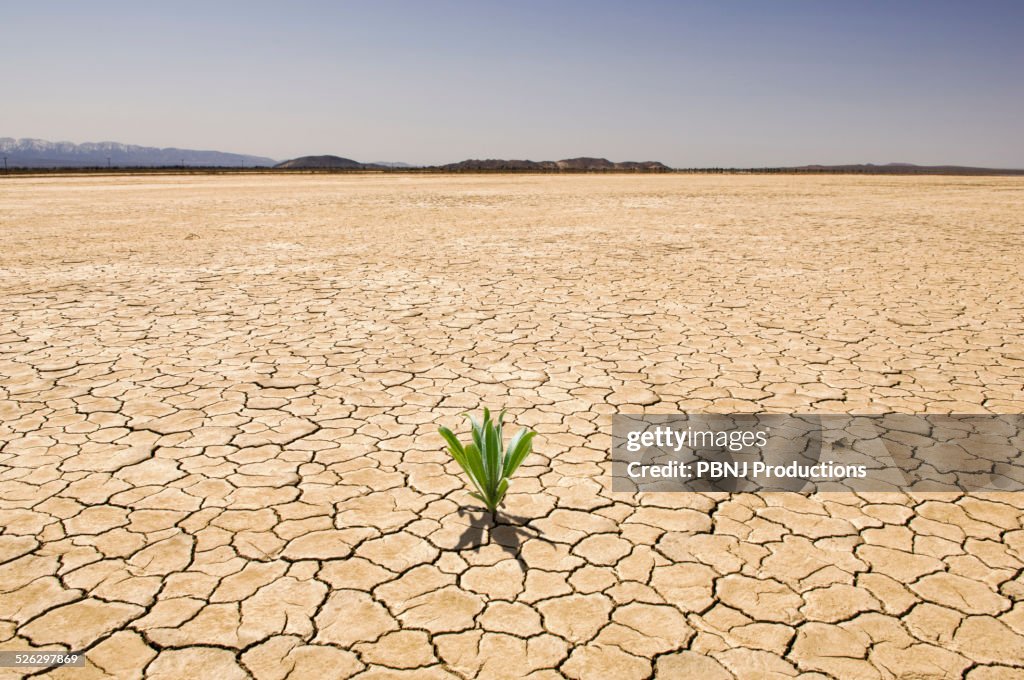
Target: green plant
(483, 461)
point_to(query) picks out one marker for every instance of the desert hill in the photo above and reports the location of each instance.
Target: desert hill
(322, 163)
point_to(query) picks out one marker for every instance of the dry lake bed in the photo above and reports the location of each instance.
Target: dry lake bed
(219, 400)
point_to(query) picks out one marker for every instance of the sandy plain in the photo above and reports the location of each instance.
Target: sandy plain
(219, 399)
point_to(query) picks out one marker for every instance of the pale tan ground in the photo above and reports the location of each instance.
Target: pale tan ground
(219, 399)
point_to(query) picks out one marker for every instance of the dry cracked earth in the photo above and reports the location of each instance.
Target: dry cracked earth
(219, 398)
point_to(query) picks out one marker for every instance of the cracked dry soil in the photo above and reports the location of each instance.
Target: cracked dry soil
(219, 398)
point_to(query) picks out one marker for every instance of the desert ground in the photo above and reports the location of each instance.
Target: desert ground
(219, 401)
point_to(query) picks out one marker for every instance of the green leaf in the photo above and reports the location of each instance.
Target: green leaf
(479, 477)
(520, 447)
(449, 436)
(483, 500)
(501, 437)
(464, 464)
(493, 457)
(478, 433)
(514, 443)
(500, 495)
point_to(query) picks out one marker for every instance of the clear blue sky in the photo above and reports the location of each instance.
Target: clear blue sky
(688, 83)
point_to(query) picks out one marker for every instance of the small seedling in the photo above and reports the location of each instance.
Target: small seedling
(483, 461)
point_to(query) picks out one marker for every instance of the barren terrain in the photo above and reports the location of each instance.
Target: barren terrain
(219, 400)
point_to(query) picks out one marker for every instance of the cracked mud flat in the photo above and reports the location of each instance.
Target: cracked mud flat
(219, 399)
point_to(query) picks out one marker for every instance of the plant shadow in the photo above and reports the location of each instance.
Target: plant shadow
(485, 528)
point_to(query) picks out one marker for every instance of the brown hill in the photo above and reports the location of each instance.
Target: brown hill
(321, 163)
(499, 165)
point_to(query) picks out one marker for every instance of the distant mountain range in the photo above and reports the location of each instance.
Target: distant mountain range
(587, 164)
(39, 153)
(583, 164)
(489, 165)
(904, 169)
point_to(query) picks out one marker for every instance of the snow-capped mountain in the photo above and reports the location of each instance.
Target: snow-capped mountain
(39, 153)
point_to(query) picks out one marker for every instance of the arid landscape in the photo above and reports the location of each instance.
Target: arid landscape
(219, 401)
